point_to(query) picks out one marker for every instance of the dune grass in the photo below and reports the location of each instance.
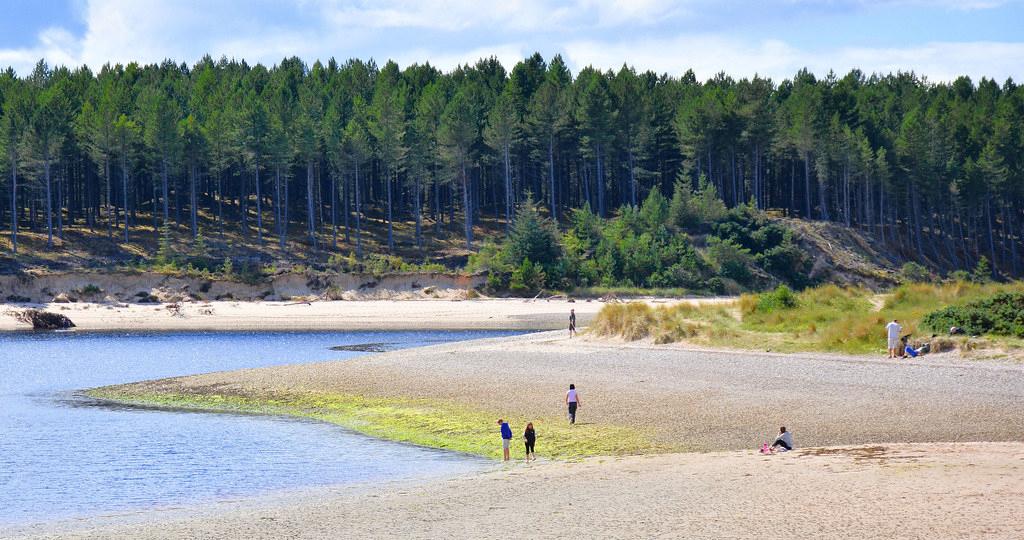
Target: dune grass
(826, 318)
(427, 423)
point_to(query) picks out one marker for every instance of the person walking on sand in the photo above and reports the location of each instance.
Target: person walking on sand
(506, 436)
(530, 438)
(572, 399)
(893, 330)
(572, 322)
(785, 440)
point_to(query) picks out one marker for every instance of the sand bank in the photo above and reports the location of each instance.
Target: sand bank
(486, 314)
(970, 490)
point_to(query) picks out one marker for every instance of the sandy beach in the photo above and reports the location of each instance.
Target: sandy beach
(968, 490)
(487, 314)
(932, 448)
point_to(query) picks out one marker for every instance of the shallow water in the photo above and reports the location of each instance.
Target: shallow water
(63, 455)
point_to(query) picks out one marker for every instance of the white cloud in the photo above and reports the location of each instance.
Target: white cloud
(711, 53)
(446, 33)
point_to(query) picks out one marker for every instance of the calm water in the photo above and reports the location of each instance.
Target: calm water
(64, 456)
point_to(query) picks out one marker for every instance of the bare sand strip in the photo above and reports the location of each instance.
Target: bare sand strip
(484, 314)
(930, 491)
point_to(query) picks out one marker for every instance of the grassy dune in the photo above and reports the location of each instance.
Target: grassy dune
(827, 318)
(421, 422)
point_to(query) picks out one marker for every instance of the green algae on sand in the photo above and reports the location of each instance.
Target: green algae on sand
(430, 423)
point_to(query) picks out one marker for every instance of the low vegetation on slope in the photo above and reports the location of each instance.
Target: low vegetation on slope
(825, 318)
(690, 242)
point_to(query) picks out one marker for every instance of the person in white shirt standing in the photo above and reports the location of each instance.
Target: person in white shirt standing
(893, 330)
(572, 399)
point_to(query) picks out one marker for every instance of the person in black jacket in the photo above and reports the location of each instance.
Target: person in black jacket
(530, 438)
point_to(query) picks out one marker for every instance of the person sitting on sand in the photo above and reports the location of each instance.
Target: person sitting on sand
(572, 322)
(893, 330)
(572, 399)
(785, 440)
(506, 436)
(530, 438)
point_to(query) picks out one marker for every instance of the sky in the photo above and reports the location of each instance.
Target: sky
(939, 39)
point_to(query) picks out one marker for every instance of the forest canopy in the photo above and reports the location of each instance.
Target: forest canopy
(322, 152)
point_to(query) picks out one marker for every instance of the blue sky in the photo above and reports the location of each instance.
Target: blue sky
(939, 38)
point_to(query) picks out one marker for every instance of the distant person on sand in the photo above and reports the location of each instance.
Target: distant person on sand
(506, 436)
(572, 322)
(572, 399)
(530, 438)
(893, 330)
(785, 439)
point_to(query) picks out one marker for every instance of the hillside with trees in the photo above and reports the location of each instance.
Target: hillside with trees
(635, 179)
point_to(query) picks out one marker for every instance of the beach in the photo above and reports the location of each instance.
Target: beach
(885, 449)
(965, 490)
(417, 314)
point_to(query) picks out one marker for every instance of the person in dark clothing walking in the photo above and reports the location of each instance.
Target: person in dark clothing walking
(572, 399)
(572, 322)
(530, 438)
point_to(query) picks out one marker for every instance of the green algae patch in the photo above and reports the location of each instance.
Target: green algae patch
(429, 423)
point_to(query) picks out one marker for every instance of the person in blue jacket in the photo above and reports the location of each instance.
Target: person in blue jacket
(506, 436)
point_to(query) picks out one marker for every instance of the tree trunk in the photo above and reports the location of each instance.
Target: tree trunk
(359, 219)
(110, 203)
(310, 215)
(600, 182)
(192, 198)
(14, 203)
(551, 177)
(49, 200)
(419, 214)
(124, 193)
(991, 241)
(334, 211)
(345, 195)
(508, 191)
(259, 202)
(632, 179)
(163, 188)
(807, 186)
(391, 233)
(466, 208)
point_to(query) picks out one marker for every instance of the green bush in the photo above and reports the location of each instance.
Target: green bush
(1002, 314)
(781, 298)
(528, 278)
(915, 273)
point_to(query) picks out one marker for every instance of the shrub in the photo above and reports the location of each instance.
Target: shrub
(528, 278)
(960, 275)
(781, 298)
(90, 290)
(915, 273)
(1002, 314)
(982, 271)
(730, 259)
